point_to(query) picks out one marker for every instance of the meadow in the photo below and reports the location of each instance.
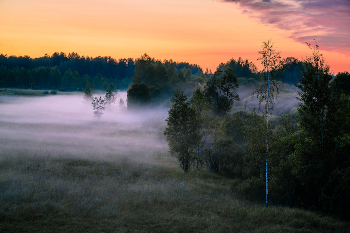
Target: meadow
(62, 170)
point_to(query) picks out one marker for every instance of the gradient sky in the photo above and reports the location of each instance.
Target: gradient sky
(204, 32)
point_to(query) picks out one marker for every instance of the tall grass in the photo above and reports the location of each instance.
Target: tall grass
(43, 194)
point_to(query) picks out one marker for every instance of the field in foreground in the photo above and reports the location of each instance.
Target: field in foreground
(63, 171)
(43, 194)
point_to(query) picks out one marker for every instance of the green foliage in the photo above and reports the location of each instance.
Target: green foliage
(138, 96)
(221, 91)
(181, 131)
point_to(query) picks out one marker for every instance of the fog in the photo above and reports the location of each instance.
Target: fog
(65, 126)
(285, 102)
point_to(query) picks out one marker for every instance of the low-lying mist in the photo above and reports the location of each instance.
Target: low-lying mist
(286, 101)
(64, 125)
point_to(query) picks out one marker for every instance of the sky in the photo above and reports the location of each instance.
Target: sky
(203, 32)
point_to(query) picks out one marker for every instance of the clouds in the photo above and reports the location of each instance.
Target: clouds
(326, 21)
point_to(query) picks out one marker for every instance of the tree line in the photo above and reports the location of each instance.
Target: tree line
(308, 154)
(71, 72)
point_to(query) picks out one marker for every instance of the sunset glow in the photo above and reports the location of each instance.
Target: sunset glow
(204, 32)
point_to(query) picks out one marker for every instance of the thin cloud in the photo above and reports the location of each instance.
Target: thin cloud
(326, 21)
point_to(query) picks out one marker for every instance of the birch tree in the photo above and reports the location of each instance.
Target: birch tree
(272, 74)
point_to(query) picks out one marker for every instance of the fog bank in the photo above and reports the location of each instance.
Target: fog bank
(66, 126)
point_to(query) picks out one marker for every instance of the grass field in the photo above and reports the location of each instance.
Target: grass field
(61, 171)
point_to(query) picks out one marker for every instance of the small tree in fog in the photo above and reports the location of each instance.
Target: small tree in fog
(181, 130)
(121, 103)
(109, 98)
(88, 94)
(99, 105)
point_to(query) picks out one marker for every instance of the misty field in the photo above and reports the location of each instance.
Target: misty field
(62, 170)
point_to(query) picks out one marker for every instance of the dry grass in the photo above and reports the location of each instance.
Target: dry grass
(45, 194)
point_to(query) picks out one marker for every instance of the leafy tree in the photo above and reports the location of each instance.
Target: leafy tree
(138, 96)
(324, 117)
(221, 91)
(98, 104)
(181, 131)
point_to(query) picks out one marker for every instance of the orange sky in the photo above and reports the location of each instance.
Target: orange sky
(204, 32)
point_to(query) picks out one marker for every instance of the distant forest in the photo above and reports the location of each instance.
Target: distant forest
(71, 72)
